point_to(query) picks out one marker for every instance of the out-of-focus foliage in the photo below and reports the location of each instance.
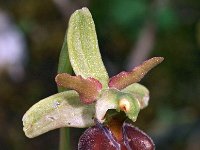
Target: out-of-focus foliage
(172, 118)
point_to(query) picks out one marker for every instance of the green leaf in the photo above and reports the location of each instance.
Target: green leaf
(64, 65)
(119, 101)
(83, 47)
(59, 110)
(140, 92)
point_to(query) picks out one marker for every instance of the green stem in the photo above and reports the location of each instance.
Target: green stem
(64, 139)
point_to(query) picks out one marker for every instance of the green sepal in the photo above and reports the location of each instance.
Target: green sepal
(140, 92)
(110, 99)
(83, 47)
(60, 110)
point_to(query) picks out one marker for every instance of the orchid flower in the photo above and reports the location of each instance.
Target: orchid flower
(94, 100)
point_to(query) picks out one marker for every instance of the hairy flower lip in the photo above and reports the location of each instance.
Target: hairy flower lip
(100, 136)
(143, 141)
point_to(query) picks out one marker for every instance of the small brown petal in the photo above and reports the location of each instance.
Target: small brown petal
(88, 89)
(124, 79)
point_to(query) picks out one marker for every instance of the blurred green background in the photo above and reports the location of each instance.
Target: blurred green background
(129, 32)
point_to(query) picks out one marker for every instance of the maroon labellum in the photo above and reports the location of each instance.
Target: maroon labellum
(100, 137)
(136, 139)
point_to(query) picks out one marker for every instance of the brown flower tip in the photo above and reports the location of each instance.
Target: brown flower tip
(88, 89)
(124, 79)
